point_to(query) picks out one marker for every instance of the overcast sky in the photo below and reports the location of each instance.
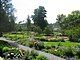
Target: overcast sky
(53, 7)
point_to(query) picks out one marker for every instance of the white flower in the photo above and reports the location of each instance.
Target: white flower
(55, 49)
(1, 58)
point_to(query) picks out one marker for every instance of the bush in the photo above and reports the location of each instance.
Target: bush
(39, 45)
(5, 49)
(41, 57)
(57, 51)
(78, 53)
(73, 33)
(36, 44)
(34, 56)
(30, 55)
(48, 30)
(69, 52)
(73, 38)
(37, 29)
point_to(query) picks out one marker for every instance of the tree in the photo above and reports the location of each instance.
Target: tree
(49, 29)
(70, 24)
(6, 16)
(39, 17)
(60, 20)
(28, 24)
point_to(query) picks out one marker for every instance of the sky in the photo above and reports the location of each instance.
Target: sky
(53, 7)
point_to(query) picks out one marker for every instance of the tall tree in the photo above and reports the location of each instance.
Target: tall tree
(39, 17)
(6, 15)
(28, 23)
(60, 20)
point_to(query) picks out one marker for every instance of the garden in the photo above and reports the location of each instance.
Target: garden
(56, 45)
(8, 52)
(60, 38)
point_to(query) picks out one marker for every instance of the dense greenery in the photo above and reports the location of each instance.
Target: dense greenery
(59, 48)
(39, 17)
(61, 38)
(70, 25)
(21, 38)
(49, 29)
(7, 19)
(34, 56)
(9, 52)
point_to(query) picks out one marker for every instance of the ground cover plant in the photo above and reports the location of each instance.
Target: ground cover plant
(18, 37)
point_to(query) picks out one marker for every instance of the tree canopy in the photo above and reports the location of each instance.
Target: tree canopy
(6, 16)
(70, 24)
(39, 17)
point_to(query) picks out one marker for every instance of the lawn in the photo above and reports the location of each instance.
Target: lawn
(66, 44)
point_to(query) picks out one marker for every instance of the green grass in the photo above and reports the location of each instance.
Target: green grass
(66, 44)
(19, 38)
(16, 36)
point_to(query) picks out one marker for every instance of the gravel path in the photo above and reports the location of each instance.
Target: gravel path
(48, 55)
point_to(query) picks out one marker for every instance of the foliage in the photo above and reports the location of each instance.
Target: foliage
(48, 30)
(34, 56)
(19, 37)
(9, 52)
(64, 52)
(39, 17)
(70, 24)
(37, 29)
(28, 24)
(73, 34)
(36, 44)
(41, 57)
(70, 52)
(31, 55)
(78, 53)
(7, 19)
(5, 49)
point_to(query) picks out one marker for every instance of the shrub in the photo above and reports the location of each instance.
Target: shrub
(69, 52)
(37, 29)
(33, 55)
(5, 49)
(78, 53)
(48, 30)
(30, 55)
(39, 45)
(58, 52)
(73, 38)
(73, 33)
(41, 57)
(36, 44)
